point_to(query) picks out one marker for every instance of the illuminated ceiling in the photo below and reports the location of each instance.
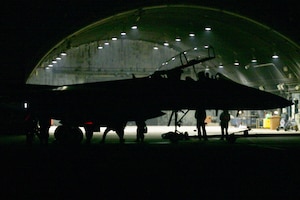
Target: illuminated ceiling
(140, 41)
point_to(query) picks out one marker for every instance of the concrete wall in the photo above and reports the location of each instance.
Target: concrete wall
(87, 63)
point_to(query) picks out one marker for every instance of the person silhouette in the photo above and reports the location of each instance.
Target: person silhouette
(45, 123)
(224, 118)
(141, 129)
(200, 116)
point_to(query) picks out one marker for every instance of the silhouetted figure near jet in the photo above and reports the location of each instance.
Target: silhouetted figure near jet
(141, 130)
(200, 116)
(45, 123)
(118, 128)
(225, 118)
(31, 128)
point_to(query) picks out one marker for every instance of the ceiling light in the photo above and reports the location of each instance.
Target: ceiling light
(166, 44)
(275, 56)
(155, 48)
(178, 39)
(100, 47)
(114, 38)
(253, 60)
(261, 88)
(236, 63)
(106, 43)
(281, 86)
(58, 58)
(192, 34)
(63, 54)
(123, 33)
(221, 66)
(207, 28)
(134, 27)
(206, 46)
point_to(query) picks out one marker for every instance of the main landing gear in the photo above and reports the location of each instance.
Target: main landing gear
(175, 136)
(65, 134)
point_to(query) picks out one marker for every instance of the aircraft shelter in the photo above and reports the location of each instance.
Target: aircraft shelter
(141, 41)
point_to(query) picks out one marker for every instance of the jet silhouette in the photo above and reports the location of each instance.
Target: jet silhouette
(114, 103)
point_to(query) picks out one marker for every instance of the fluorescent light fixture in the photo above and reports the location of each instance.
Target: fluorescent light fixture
(253, 60)
(63, 54)
(281, 86)
(192, 34)
(134, 27)
(261, 88)
(236, 63)
(106, 43)
(207, 28)
(123, 33)
(50, 65)
(58, 58)
(275, 56)
(114, 38)
(178, 39)
(166, 44)
(100, 47)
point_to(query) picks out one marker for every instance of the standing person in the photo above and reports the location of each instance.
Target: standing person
(141, 129)
(45, 123)
(200, 116)
(225, 118)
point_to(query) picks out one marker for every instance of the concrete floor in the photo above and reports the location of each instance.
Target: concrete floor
(263, 166)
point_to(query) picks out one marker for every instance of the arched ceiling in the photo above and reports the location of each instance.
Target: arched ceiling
(139, 41)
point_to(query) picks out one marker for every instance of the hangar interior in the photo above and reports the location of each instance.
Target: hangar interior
(144, 40)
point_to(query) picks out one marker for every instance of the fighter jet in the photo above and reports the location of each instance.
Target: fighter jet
(114, 103)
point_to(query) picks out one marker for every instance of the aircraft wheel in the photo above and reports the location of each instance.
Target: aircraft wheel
(77, 135)
(68, 135)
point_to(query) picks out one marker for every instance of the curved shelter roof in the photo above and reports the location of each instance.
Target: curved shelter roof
(141, 41)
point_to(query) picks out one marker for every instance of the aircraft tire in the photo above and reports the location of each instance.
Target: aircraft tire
(68, 135)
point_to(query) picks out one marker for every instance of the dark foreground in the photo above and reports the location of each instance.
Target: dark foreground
(253, 168)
